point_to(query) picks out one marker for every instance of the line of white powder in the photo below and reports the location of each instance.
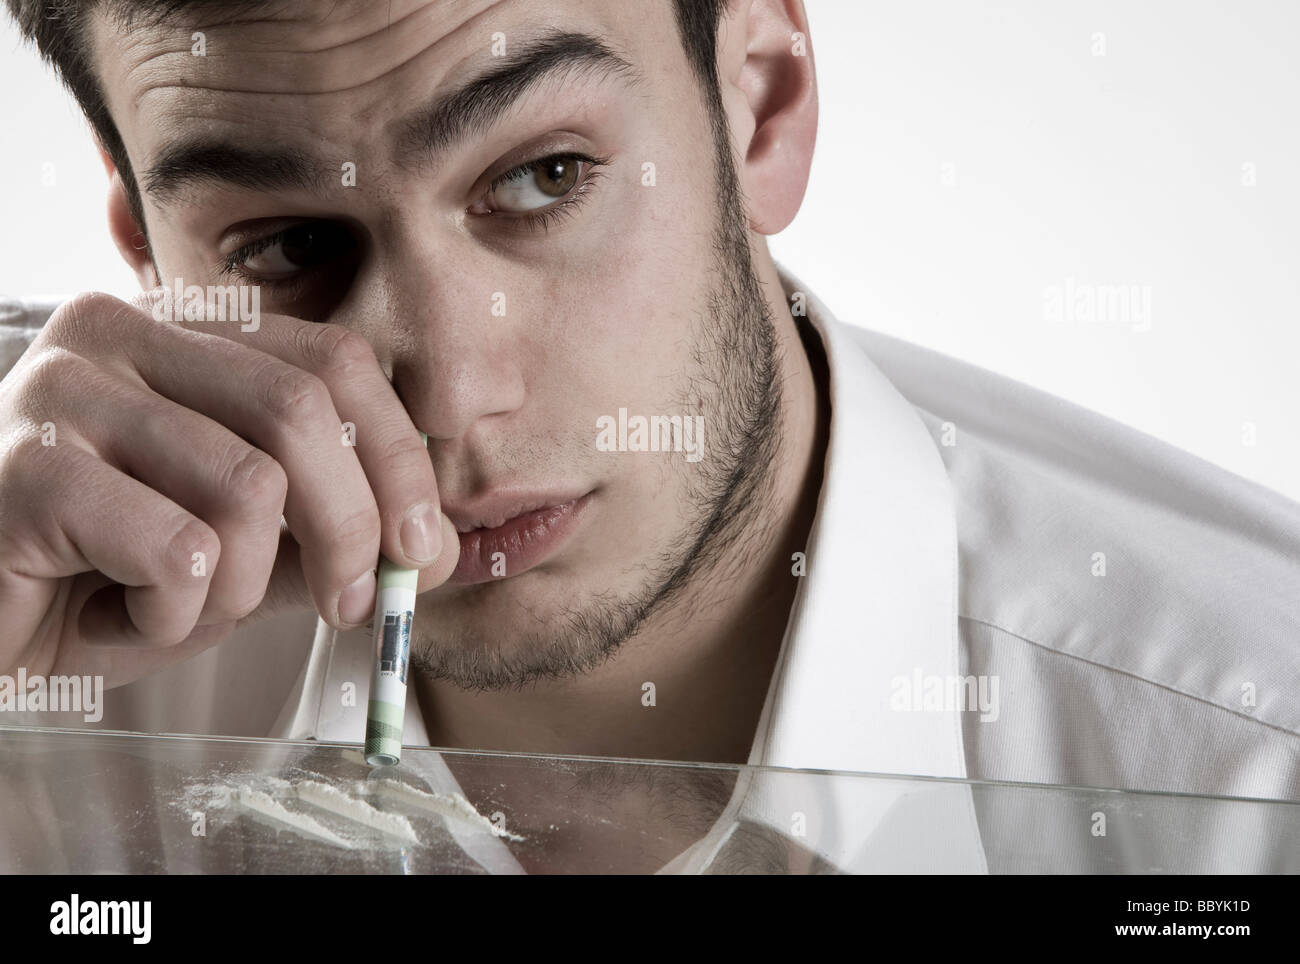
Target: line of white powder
(240, 792)
(265, 806)
(450, 806)
(358, 811)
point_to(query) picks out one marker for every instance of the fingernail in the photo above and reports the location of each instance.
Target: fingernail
(422, 533)
(357, 601)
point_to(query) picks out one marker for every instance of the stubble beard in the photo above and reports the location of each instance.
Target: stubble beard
(735, 380)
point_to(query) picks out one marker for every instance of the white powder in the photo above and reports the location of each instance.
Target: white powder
(265, 806)
(449, 806)
(263, 797)
(336, 801)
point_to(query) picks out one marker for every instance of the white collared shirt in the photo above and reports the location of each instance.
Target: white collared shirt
(999, 586)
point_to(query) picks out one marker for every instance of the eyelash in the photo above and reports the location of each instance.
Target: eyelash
(232, 265)
(544, 219)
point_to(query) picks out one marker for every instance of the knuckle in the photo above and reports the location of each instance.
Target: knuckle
(52, 367)
(24, 452)
(235, 609)
(258, 479)
(249, 606)
(296, 397)
(30, 470)
(86, 317)
(57, 380)
(155, 422)
(359, 531)
(401, 457)
(194, 536)
(334, 350)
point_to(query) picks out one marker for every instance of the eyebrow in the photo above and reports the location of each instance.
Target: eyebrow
(480, 103)
(450, 119)
(193, 162)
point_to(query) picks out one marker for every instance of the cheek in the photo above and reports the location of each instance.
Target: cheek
(625, 309)
(624, 319)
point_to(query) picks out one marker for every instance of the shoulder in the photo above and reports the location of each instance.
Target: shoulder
(1096, 541)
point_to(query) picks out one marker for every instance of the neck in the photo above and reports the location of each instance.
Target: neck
(691, 683)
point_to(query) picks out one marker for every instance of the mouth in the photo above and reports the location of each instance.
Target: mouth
(507, 537)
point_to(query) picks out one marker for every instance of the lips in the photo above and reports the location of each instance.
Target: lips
(508, 537)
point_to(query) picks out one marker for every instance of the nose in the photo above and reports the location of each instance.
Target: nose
(448, 338)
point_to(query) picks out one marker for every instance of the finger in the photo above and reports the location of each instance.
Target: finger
(445, 565)
(286, 412)
(387, 443)
(288, 591)
(86, 515)
(202, 466)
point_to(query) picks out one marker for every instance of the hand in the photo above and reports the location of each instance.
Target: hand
(151, 527)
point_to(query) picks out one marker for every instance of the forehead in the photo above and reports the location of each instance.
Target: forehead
(335, 69)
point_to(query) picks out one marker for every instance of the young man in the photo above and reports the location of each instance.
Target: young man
(670, 507)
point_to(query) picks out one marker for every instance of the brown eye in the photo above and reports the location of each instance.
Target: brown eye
(535, 186)
(556, 177)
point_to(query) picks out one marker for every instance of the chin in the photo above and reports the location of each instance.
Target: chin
(511, 608)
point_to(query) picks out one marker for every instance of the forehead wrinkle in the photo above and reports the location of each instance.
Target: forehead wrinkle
(127, 13)
(327, 28)
(125, 17)
(274, 59)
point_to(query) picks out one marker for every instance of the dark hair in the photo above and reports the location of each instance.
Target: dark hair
(55, 26)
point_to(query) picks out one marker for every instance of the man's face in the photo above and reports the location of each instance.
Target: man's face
(524, 261)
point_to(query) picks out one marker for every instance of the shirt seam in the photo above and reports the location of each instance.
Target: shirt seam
(1123, 672)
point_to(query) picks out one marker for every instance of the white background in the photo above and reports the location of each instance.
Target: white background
(1119, 169)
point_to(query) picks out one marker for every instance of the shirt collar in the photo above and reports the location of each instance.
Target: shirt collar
(876, 613)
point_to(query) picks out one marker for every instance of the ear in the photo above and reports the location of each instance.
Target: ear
(769, 88)
(127, 234)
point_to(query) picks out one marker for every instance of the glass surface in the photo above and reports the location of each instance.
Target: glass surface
(73, 801)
